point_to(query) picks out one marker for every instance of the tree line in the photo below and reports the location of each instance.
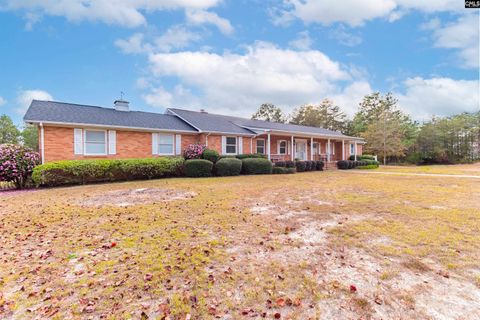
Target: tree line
(391, 133)
(11, 134)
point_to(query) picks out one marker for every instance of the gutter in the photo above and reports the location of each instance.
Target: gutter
(106, 126)
(42, 142)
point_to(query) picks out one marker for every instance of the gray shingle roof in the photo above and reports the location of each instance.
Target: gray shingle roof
(60, 112)
(215, 122)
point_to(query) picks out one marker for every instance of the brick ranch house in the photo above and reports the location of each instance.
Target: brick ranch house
(71, 131)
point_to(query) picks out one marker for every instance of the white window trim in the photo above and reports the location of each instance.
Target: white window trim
(85, 142)
(226, 144)
(264, 146)
(173, 144)
(315, 147)
(352, 148)
(278, 147)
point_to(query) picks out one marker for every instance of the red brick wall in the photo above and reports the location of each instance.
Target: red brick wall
(59, 144)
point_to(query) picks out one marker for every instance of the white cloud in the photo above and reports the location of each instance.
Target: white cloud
(199, 17)
(439, 96)
(128, 13)
(176, 37)
(302, 42)
(25, 97)
(349, 98)
(134, 44)
(2, 101)
(179, 97)
(241, 82)
(462, 35)
(356, 13)
(343, 37)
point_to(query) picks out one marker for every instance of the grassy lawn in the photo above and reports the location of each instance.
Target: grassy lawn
(463, 169)
(317, 245)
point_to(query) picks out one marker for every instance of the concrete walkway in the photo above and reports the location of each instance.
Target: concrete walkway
(415, 174)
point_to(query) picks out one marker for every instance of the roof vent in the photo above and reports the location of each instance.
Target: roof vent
(121, 105)
(203, 111)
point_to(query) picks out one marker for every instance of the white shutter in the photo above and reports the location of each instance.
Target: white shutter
(112, 142)
(78, 141)
(224, 145)
(154, 143)
(240, 145)
(178, 144)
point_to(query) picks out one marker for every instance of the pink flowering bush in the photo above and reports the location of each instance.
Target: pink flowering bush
(193, 151)
(17, 163)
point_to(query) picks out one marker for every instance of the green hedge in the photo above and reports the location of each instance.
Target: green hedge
(250, 156)
(196, 168)
(368, 166)
(70, 172)
(228, 167)
(256, 166)
(210, 155)
(282, 170)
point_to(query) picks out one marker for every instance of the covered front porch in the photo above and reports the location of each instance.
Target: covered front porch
(282, 147)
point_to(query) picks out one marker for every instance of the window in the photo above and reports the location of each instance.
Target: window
(165, 144)
(231, 145)
(315, 148)
(282, 147)
(352, 148)
(261, 146)
(95, 142)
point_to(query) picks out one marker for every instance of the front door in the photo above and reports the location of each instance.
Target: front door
(301, 150)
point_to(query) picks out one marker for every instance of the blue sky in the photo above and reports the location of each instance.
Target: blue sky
(231, 56)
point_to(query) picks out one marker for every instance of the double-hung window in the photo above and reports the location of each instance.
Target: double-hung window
(282, 147)
(261, 146)
(352, 148)
(95, 142)
(231, 145)
(165, 144)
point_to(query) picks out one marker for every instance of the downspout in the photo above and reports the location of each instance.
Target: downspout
(206, 139)
(42, 143)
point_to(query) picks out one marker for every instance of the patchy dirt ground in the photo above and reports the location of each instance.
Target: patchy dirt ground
(320, 245)
(129, 197)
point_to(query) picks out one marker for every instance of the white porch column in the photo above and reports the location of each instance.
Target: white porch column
(311, 148)
(329, 147)
(268, 146)
(355, 151)
(251, 146)
(343, 149)
(292, 150)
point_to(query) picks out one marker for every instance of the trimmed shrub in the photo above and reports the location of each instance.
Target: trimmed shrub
(228, 167)
(249, 156)
(369, 166)
(319, 165)
(291, 170)
(279, 170)
(350, 164)
(193, 151)
(17, 164)
(70, 172)
(342, 164)
(290, 164)
(313, 165)
(362, 157)
(300, 166)
(280, 164)
(196, 168)
(256, 166)
(210, 155)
